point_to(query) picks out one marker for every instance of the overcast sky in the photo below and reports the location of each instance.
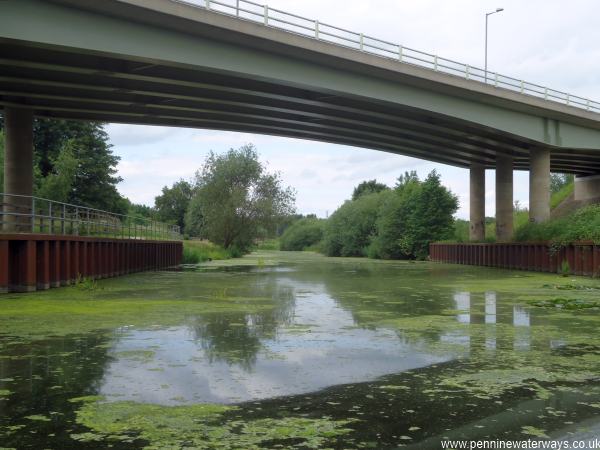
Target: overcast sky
(551, 42)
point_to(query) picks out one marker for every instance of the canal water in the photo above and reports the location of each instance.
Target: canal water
(295, 350)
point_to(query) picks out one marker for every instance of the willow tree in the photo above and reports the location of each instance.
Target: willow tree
(236, 200)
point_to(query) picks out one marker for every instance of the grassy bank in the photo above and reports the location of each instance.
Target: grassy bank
(583, 225)
(195, 252)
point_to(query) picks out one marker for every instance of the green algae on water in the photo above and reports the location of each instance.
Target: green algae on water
(201, 426)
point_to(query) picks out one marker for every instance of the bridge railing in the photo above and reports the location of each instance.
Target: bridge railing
(271, 17)
(26, 214)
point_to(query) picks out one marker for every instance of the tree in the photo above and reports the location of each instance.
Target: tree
(236, 200)
(351, 228)
(302, 234)
(58, 184)
(417, 214)
(559, 181)
(368, 187)
(173, 203)
(407, 178)
(95, 179)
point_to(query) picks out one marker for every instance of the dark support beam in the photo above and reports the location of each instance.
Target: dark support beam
(18, 167)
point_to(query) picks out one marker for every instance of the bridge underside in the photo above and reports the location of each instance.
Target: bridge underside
(162, 62)
(59, 83)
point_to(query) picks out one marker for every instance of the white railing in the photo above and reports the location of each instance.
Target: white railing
(26, 214)
(271, 17)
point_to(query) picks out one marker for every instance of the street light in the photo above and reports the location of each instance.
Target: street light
(486, 37)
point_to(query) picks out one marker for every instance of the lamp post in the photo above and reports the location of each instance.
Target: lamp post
(486, 38)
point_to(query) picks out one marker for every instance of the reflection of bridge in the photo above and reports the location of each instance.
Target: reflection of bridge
(163, 62)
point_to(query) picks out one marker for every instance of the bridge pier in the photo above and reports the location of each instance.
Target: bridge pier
(18, 166)
(504, 198)
(539, 185)
(477, 203)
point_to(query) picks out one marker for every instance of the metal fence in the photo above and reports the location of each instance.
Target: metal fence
(26, 214)
(271, 17)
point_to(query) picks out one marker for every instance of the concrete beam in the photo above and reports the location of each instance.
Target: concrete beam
(477, 203)
(539, 185)
(504, 198)
(18, 166)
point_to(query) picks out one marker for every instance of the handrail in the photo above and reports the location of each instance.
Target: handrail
(28, 214)
(314, 29)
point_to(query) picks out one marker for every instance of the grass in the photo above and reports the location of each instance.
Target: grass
(268, 244)
(583, 225)
(558, 197)
(195, 252)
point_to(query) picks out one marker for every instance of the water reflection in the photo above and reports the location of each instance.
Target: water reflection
(522, 323)
(233, 358)
(462, 301)
(490, 307)
(312, 337)
(340, 340)
(490, 319)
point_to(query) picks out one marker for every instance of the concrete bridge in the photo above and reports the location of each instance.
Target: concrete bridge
(244, 67)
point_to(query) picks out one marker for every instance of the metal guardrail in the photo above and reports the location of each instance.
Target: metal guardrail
(26, 214)
(271, 17)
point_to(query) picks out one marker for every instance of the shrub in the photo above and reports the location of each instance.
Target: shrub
(302, 234)
(195, 252)
(416, 214)
(268, 244)
(583, 225)
(351, 228)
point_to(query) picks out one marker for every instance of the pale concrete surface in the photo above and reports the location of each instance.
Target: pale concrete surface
(504, 198)
(539, 185)
(587, 188)
(477, 203)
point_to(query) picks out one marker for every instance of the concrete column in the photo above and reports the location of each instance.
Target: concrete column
(504, 198)
(477, 203)
(539, 185)
(18, 166)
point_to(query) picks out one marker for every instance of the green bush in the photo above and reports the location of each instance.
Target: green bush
(195, 252)
(268, 244)
(416, 214)
(583, 225)
(302, 234)
(351, 228)
(461, 231)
